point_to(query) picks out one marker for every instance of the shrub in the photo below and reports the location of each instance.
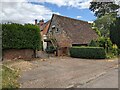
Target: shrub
(50, 49)
(104, 42)
(88, 52)
(115, 49)
(17, 36)
(93, 43)
(118, 51)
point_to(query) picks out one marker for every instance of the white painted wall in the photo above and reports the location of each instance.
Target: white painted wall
(44, 43)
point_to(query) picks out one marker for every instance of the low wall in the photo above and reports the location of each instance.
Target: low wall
(64, 51)
(18, 54)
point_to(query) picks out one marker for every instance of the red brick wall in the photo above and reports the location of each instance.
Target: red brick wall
(64, 51)
(18, 54)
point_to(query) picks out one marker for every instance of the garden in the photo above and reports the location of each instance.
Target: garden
(97, 49)
(108, 29)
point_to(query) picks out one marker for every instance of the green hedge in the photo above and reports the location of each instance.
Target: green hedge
(17, 36)
(88, 52)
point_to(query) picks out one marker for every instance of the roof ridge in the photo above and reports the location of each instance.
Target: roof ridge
(69, 18)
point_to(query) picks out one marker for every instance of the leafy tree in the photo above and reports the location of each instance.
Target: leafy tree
(106, 13)
(102, 8)
(103, 24)
(96, 29)
(107, 24)
(115, 32)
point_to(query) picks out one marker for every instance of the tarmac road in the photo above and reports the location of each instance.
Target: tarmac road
(66, 72)
(107, 80)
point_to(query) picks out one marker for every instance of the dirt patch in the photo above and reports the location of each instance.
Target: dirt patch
(20, 65)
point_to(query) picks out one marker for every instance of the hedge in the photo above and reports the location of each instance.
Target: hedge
(88, 52)
(17, 36)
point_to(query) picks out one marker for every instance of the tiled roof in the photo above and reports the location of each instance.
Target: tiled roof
(45, 27)
(80, 32)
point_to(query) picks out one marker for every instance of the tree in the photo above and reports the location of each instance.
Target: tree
(102, 8)
(106, 13)
(115, 32)
(108, 20)
(103, 24)
(96, 29)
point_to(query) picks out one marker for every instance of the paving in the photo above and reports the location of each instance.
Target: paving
(108, 80)
(66, 72)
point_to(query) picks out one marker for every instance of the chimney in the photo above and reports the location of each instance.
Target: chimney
(41, 22)
(35, 21)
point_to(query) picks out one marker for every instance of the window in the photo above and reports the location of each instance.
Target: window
(53, 26)
(50, 30)
(57, 30)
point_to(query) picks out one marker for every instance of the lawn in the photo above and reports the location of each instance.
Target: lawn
(9, 78)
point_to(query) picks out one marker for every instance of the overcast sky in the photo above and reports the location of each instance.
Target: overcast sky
(26, 11)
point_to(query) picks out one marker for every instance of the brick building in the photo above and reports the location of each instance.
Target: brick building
(64, 32)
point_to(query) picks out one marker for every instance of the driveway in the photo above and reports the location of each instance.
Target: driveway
(66, 72)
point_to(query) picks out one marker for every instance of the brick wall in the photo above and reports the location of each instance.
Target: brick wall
(64, 51)
(61, 36)
(18, 54)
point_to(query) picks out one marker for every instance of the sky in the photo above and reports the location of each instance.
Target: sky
(26, 11)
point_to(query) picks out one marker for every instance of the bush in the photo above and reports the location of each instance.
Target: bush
(50, 49)
(118, 51)
(88, 52)
(93, 43)
(115, 49)
(104, 42)
(17, 36)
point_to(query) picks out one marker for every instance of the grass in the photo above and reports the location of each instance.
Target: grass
(9, 78)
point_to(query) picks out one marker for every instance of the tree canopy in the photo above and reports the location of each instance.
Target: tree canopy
(107, 20)
(102, 8)
(106, 13)
(115, 32)
(103, 24)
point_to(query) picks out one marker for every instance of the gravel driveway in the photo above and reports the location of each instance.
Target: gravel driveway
(64, 72)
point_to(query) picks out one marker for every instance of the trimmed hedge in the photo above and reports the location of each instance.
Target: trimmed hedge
(17, 36)
(88, 52)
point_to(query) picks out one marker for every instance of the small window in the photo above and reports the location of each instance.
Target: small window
(57, 30)
(53, 26)
(50, 30)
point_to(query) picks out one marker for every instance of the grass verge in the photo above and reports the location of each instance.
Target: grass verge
(9, 78)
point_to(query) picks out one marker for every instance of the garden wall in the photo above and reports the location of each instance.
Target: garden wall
(64, 51)
(18, 54)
